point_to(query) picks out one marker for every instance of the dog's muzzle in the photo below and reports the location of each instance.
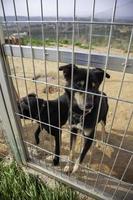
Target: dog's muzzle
(89, 107)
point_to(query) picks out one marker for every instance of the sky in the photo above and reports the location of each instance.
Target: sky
(103, 8)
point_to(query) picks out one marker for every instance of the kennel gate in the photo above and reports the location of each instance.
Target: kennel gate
(96, 183)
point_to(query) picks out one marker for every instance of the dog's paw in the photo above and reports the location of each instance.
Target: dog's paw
(79, 126)
(56, 161)
(75, 168)
(67, 168)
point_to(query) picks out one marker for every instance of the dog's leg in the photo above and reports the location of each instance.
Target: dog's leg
(57, 147)
(72, 148)
(103, 135)
(89, 133)
(36, 134)
(103, 123)
(103, 127)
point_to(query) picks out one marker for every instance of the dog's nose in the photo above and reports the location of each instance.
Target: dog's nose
(89, 106)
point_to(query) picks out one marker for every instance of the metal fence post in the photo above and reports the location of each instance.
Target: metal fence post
(11, 122)
(7, 128)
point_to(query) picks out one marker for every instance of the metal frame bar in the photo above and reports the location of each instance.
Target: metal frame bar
(58, 75)
(57, 54)
(72, 69)
(45, 66)
(104, 77)
(88, 64)
(89, 169)
(61, 177)
(13, 122)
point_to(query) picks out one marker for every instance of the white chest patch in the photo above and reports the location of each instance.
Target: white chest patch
(78, 126)
(87, 131)
(79, 97)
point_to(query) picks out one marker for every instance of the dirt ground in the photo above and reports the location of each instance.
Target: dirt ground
(117, 128)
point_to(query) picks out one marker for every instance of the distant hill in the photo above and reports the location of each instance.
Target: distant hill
(38, 18)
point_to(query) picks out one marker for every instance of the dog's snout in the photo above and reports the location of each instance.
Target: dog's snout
(90, 102)
(89, 106)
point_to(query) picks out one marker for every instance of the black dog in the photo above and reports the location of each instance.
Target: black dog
(78, 105)
(31, 101)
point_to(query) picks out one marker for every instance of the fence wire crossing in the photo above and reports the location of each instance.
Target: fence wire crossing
(105, 172)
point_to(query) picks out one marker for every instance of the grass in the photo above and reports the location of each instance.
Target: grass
(84, 45)
(50, 42)
(15, 184)
(47, 42)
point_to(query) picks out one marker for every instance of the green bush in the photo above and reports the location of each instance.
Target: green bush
(77, 43)
(96, 42)
(15, 184)
(65, 41)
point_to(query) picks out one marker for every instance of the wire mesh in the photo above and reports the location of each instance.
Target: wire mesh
(90, 173)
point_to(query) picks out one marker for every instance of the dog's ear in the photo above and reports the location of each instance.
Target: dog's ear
(67, 69)
(23, 105)
(99, 75)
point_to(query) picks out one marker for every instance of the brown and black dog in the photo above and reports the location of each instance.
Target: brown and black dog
(91, 106)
